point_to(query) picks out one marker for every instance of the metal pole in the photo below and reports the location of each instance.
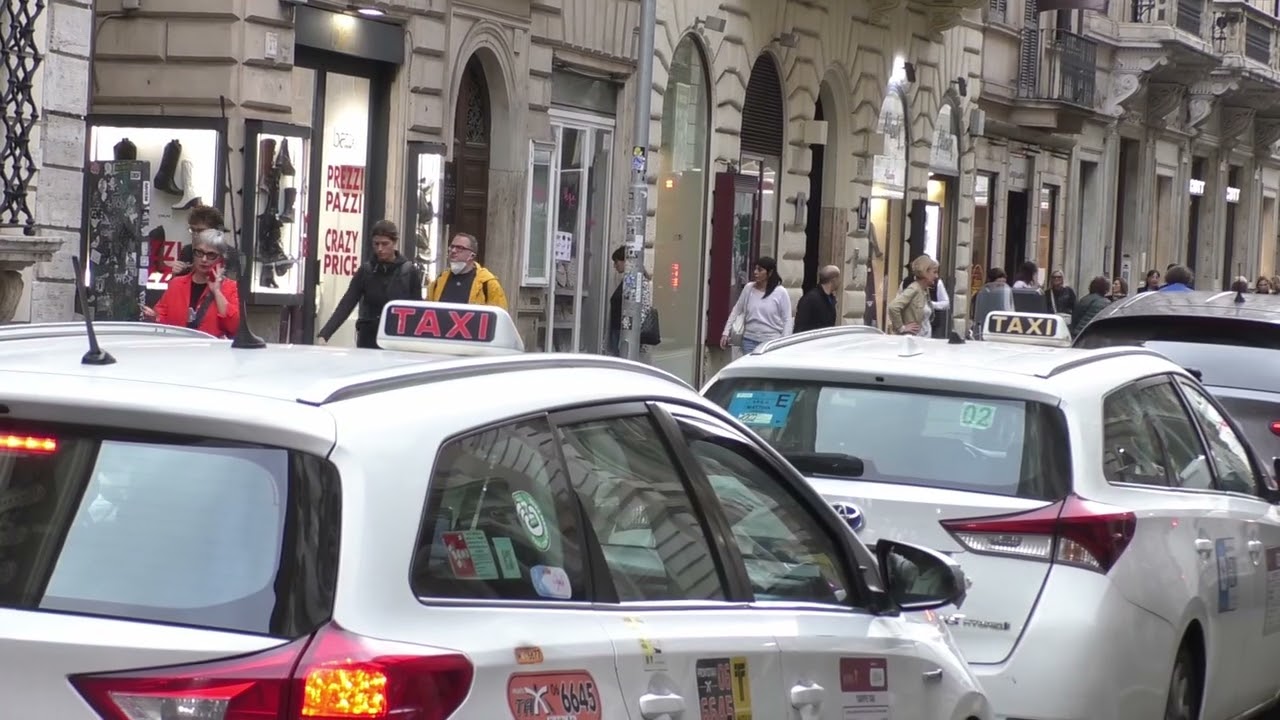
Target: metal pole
(638, 194)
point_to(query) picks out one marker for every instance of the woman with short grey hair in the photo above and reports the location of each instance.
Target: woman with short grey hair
(204, 299)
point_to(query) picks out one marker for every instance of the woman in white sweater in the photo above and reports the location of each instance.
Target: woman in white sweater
(764, 306)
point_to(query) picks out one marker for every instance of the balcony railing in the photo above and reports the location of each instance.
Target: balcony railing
(1185, 15)
(1066, 71)
(1257, 42)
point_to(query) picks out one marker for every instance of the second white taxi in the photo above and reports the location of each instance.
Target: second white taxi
(1122, 539)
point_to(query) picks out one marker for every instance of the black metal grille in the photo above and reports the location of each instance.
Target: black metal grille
(1075, 59)
(1190, 15)
(21, 61)
(1257, 42)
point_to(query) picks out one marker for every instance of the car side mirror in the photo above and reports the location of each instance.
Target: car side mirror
(917, 578)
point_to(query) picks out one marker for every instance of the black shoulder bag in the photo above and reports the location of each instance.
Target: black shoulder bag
(197, 317)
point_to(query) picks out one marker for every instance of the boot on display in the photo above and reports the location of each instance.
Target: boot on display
(284, 164)
(125, 150)
(189, 197)
(266, 163)
(164, 180)
(290, 200)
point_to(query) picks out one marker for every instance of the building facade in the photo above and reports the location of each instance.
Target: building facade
(1124, 138)
(816, 132)
(45, 74)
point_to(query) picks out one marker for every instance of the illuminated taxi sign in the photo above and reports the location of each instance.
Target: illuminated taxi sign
(1026, 328)
(447, 329)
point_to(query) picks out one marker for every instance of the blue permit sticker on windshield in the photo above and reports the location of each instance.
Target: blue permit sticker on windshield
(762, 409)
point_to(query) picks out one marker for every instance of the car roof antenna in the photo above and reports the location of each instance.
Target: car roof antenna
(1239, 297)
(244, 339)
(96, 355)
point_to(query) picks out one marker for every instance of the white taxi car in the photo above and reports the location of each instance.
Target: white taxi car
(193, 528)
(1122, 540)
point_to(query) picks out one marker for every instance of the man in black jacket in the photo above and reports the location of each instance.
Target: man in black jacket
(388, 276)
(817, 309)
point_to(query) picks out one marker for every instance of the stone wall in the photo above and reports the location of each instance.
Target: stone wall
(61, 91)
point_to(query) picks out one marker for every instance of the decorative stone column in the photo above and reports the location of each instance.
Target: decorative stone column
(17, 253)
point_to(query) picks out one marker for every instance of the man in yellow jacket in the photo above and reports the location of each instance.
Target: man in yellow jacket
(466, 281)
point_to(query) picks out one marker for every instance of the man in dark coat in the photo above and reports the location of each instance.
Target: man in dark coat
(388, 276)
(817, 309)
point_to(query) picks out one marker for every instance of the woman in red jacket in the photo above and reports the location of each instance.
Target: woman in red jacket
(203, 299)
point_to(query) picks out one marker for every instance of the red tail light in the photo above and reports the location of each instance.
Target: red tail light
(1072, 532)
(1275, 428)
(333, 676)
(28, 443)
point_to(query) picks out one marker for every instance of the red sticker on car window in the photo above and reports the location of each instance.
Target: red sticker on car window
(570, 695)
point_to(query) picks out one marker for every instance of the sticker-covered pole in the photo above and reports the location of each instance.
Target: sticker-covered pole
(638, 194)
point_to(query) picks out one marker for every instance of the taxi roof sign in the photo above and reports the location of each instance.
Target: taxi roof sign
(447, 329)
(1026, 328)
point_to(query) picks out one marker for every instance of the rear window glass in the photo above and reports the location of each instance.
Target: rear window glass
(191, 532)
(979, 444)
(1226, 352)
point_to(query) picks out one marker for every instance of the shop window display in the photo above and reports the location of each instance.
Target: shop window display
(275, 195)
(424, 205)
(164, 172)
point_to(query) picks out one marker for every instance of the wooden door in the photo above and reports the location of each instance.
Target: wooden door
(472, 124)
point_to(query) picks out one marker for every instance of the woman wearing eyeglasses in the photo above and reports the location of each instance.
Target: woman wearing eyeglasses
(203, 299)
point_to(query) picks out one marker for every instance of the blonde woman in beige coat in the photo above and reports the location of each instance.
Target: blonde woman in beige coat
(911, 313)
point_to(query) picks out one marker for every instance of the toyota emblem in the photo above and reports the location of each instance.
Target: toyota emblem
(850, 513)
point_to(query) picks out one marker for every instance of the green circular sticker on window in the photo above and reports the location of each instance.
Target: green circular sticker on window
(531, 518)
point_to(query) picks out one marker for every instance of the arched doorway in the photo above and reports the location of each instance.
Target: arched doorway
(472, 128)
(763, 128)
(826, 224)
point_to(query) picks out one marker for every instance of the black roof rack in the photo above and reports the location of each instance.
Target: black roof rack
(40, 331)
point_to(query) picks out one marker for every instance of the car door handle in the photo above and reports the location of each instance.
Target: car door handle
(1204, 546)
(654, 706)
(1255, 547)
(802, 695)
(932, 676)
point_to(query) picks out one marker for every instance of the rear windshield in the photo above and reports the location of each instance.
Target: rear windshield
(978, 444)
(185, 531)
(1227, 352)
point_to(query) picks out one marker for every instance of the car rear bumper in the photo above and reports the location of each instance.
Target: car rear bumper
(1087, 653)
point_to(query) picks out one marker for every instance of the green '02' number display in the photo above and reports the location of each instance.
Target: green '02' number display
(977, 416)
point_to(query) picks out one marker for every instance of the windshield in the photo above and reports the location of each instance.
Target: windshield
(979, 444)
(170, 530)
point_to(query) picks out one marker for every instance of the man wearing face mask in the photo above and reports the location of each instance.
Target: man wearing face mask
(388, 276)
(466, 281)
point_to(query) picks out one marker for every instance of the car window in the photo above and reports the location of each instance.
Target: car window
(961, 442)
(787, 554)
(640, 511)
(1230, 458)
(1186, 463)
(201, 533)
(500, 521)
(1131, 448)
